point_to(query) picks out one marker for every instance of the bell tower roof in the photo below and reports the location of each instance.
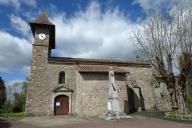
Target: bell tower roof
(43, 21)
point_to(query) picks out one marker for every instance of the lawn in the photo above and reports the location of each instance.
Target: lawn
(163, 115)
(12, 115)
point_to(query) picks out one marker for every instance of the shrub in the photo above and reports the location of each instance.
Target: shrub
(2, 92)
(19, 104)
(7, 107)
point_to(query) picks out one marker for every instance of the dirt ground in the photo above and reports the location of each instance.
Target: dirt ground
(71, 122)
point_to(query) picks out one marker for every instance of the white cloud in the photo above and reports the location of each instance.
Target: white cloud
(15, 81)
(94, 34)
(151, 5)
(14, 3)
(20, 25)
(87, 34)
(15, 52)
(17, 3)
(31, 3)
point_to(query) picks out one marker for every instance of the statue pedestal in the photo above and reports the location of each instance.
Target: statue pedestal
(113, 104)
(114, 110)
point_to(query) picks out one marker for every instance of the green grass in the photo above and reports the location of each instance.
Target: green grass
(12, 115)
(179, 115)
(170, 116)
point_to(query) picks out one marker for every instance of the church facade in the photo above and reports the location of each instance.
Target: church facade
(75, 86)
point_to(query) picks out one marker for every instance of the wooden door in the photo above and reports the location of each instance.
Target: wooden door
(61, 105)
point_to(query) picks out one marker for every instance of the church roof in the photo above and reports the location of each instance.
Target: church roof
(42, 19)
(99, 68)
(83, 61)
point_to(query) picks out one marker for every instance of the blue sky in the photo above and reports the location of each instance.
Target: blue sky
(84, 28)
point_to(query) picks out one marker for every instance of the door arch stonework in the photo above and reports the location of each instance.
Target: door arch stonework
(61, 90)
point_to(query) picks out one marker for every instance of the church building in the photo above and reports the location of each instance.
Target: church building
(80, 87)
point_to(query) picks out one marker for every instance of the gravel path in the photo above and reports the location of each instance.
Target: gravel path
(70, 122)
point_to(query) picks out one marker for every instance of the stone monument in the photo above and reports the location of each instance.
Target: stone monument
(113, 106)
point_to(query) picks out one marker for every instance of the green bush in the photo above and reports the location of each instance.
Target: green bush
(19, 103)
(2, 92)
(152, 109)
(170, 114)
(179, 116)
(7, 107)
(189, 99)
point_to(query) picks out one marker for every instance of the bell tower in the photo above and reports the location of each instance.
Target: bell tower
(44, 40)
(43, 32)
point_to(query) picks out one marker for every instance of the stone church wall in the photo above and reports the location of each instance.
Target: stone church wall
(70, 82)
(90, 90)
(92, 94)
(141, 77)
(40, 93)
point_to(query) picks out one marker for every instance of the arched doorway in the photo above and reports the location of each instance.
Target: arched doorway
(61, 105)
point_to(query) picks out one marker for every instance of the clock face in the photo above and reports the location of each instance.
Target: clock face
(42, 36)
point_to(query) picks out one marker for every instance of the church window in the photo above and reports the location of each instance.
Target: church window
(61, 78)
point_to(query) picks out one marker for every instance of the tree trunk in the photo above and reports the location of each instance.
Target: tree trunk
(180, 97)
(172, 90)
(188, 91)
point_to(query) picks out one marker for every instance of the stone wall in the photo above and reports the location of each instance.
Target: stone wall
(44, 78)
(37, 91)
(70, 82)
(90, 90)
(92, 94)
(40, 93)
(163, 99)
(141, 77)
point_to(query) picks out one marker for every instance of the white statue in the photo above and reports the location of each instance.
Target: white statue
(113, 99)
(113, 106)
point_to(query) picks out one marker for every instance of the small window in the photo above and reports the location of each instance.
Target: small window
(61, 77)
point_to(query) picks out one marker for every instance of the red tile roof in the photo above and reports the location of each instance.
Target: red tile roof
(99, 68)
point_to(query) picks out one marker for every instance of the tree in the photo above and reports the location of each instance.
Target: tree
(20, 99)
(2, 93)
(161, 38)
(156, 39)
(185, 46)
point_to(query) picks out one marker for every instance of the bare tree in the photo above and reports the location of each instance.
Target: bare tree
(184, 33)
(161, 39)
(13, 89)
(156, 39)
